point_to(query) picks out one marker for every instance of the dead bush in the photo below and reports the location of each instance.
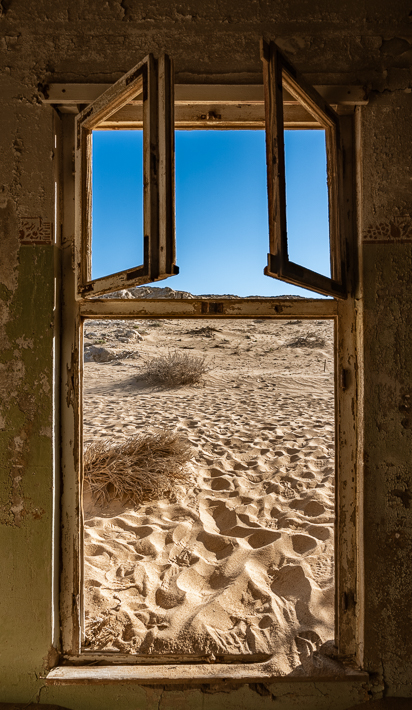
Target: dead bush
(142, 468)
(208, 331)
(311, 340)
(176, 368)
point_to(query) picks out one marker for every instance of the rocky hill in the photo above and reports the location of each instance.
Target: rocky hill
(166, 292)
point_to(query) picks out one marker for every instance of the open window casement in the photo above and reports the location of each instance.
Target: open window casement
(150, 85)
(287, 93)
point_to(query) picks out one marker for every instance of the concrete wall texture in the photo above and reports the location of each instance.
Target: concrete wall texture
(91, 41)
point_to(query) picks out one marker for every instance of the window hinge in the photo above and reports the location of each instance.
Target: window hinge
(348, 600)
(344, 378)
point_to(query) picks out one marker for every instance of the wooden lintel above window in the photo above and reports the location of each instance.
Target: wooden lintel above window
(80, 94)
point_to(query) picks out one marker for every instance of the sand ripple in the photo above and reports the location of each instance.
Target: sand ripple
(242, 562)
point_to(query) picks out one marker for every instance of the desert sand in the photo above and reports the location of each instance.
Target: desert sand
(240, 565)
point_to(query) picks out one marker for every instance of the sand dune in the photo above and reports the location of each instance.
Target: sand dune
(241, 564)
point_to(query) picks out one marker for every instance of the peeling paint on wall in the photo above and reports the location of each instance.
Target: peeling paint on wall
(34, 230)
(25, 383)
(43, 42)
(9, 244)
(398, 229)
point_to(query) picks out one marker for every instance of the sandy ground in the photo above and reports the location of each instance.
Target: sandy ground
(242, 563)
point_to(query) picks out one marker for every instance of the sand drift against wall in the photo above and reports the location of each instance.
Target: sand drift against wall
(240, 564)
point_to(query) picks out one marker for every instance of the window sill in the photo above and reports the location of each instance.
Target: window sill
(195, 673)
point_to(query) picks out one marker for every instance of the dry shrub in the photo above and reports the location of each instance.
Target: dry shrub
(142, 468)
(208, 331)
(311, 340)
(176, 368)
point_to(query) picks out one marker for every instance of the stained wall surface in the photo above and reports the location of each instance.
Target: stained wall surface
(368, 43)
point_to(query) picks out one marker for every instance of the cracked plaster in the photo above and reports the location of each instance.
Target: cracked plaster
(95, 41)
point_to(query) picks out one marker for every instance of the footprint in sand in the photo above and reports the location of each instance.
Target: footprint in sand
(94, 550)
(216, 544)
(211, 560)
(263, 538)
(146, 548)
(182, 556)
(291, 582)
(220, 484)
(303, 543)
(320, 532)
(311, 508)
(215, 472)
(169, 595)
(228, 521)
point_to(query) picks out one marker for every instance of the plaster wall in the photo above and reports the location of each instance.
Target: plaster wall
(387, 262)
(96, 41)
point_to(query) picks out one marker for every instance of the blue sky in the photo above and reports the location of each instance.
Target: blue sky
(221, 208)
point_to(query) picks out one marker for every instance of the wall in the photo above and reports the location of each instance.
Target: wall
(81, 41)
(387, 258)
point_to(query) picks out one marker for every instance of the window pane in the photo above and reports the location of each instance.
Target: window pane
(307, 210)
(236, 558)
(117, 199)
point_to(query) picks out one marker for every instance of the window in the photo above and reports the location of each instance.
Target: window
(280, 79)
(144, 98)
(145, 93)
(147, 85)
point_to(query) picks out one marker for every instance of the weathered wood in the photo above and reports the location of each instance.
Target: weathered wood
(275, 157)
(186, 673)
(295, 85)
(278, 75)
(348, 545)
(301, 276)
(116, 96)
(129, 86)
(349, 451)
(214, 115)
(59, 164)
(167, 239)
(77, 94)
(156, 111)
(347, 532)
(95, 658)
(71, 447)
(194, 308)
(309, 98)
(151, 170)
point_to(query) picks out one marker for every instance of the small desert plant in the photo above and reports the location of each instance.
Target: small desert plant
(208, 331)
(176, 368)
(140, 469)
(310, 340)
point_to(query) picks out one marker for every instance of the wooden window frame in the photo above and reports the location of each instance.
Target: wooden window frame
(78, 665)
(153, 80)
(279, 76)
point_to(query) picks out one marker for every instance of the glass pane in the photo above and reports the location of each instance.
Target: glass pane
(225, 550)
(117, 200)
(307, 210)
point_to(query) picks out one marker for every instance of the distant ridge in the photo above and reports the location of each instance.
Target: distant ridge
(169, 293)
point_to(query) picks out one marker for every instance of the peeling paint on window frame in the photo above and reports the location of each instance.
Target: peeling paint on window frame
(344, 313)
